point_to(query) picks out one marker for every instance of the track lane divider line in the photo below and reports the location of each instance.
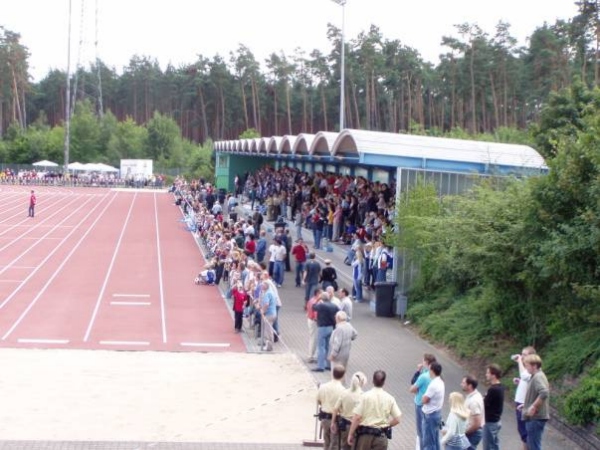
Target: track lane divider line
(160, 276)
(109, 272)
(131, 303)
(58, 269)
(42, 341)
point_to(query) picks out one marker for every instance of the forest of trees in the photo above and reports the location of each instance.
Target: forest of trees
(484, 81)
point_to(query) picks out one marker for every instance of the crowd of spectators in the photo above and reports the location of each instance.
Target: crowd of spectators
(251, 266)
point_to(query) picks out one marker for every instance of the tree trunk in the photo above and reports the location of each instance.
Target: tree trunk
(472, 72)
(203, 113)
(495, 101)
(324, 107)
(289, 107)
(244, 105)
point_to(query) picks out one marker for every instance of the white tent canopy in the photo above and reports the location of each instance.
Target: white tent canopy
(45, 163)
(76, 166)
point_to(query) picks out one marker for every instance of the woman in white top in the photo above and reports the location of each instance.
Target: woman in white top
(454, 437)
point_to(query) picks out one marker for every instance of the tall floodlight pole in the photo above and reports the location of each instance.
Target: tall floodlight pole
(342, 3)
(68, 99)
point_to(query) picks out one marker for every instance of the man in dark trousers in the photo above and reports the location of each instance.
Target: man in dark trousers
(493, 403)
(32, 202)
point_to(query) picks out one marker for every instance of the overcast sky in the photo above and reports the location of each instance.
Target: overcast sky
(176, 31)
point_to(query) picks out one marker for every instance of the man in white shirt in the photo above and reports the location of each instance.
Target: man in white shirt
(522, 383)
(433, 401)
(345, 303)
(474, 403)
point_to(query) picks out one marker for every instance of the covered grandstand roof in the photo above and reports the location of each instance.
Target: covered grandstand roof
(396, 150)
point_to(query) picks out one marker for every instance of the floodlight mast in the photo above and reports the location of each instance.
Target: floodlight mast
(342, 3)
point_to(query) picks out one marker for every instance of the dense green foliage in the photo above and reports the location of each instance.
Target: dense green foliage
(516, 262)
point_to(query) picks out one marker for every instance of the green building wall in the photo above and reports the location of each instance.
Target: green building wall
(228, 166)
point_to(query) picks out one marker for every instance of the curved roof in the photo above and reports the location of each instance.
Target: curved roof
(323, 143)
(287, 144)
(274, 144)
(303, 143)
(381, 149)
(361, 143)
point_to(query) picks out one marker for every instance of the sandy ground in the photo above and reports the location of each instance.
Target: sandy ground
(154, 396)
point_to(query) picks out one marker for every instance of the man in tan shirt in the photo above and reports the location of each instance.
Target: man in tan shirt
(374, 416)
(327, 397)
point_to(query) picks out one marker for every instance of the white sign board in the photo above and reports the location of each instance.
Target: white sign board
(136, 168)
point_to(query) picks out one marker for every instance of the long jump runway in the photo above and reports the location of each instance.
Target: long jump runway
(104, 269)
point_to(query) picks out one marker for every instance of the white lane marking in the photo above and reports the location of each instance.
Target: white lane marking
(205, 344)
(160, 276)
(131, 303)
(43, 341)
(109, 271)
(11, 281)
(124, 343)
(57, 271)
(132, 295)
(20, 267)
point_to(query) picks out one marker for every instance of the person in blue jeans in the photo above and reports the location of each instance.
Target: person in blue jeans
(536, 410)
(433, 401)
(326, 312)
(493, 404)
(420, 382)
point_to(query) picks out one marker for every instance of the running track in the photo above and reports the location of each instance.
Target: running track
(104, 269)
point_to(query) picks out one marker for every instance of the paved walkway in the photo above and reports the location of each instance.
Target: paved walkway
(388, 344)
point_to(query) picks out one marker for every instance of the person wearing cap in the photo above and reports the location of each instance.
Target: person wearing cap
(328, 276)
(300, 252)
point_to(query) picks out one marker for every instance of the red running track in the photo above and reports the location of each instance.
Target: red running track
(104, 269)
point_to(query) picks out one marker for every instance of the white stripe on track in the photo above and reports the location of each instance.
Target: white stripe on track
(108, 272)
(160, 276)
(131, 303)
(42, 341)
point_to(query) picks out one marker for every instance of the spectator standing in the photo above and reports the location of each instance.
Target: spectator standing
(454, 432)
(346, 303)
(522, 382)
(300, 253)
(261, 247)
(433, 401)
(474, 404)
(326, 312)
(420, 382)
(536, 410)
(239, 301)
(279, 264)
(341, 339)
(357, 275)
(268, 308)
(311, 319)
(493, 404)
(329, 276)
(312, 274)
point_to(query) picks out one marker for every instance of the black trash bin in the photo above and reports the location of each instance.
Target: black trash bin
(385, 298)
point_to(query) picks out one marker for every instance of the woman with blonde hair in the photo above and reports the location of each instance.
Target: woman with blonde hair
(342, 412)
(454, 437)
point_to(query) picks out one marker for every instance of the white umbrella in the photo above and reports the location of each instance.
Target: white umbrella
(45, 163)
